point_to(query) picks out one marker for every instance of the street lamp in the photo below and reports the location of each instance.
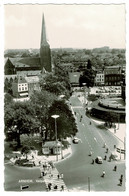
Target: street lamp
(84, 85)
(55, 117)
(62, 96)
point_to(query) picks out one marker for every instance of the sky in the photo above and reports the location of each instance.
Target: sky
(74, 26)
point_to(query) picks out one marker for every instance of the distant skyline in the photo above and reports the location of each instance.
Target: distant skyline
(68, 26)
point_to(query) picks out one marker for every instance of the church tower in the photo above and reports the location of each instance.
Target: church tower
(45, 52)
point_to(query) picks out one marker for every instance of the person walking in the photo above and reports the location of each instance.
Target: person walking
(115, 168)
(49, 186)
(62, 188)
(103, 174)
(62, 176)
(121, 182)
(58, 176)
(105, 158)
(92, 161)
(104, 145)
(55, 187)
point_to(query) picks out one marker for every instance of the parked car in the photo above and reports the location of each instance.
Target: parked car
(75, 140)
(99, 160)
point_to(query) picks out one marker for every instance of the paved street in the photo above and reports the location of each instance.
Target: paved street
(77, 168)
(16, 176)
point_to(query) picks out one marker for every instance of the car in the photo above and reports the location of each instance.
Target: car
(75, 140)
(99, 160)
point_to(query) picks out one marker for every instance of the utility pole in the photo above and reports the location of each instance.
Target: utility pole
(89, 184)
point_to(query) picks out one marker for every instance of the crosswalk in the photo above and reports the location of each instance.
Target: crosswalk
(57, 184)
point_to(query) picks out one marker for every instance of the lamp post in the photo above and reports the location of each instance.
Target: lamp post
(84, 86)
(61, 96)
(89, 184)
(55, 117)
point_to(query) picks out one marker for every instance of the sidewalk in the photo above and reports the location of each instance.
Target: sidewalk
(53, 182)
(120, 130)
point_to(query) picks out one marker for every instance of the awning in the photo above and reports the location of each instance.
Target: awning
(23, 94)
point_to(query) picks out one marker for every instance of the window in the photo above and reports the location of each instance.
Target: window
(19, 89)
(22, 88)
(25, 88)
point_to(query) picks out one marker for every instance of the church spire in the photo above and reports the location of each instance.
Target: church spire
(43, 33)
(45, 52)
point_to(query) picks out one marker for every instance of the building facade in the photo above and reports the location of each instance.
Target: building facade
(51, 147)
(99, 79)
(20, 88)
(113, 75)
(33, 84)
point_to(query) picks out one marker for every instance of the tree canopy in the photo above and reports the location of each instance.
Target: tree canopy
(20, 119)
(66, 126)
(54, 84)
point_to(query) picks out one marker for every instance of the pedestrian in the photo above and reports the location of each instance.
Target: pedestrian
(43, 174)
(90, 153)
(62, 176)
(75, 113)
(107, 150)
(90, 122)
(58, 176)
(120, 182)
(62, 188)
(115, 168)
(49, 186)
(55, 187)
(121, 177)
(105, 158)
(114, 146)
(92, 161)
(110, 158)
(104, 145)
(103, 174)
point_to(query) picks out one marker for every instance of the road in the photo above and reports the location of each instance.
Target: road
(16, 176)
(79, 173)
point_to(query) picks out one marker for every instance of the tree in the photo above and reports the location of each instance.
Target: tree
(20, 119)
(53, 84)
(66, 126)
(25, 150)
(8, 98)
(87, 77)
(41, 102)
(89, 65)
